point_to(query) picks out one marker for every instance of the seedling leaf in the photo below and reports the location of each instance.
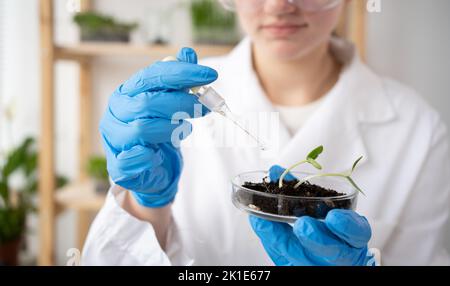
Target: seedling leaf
(311, 159)
(356, 163)
(314, 163)
(315, 153)
(346, 176)
(355, 185)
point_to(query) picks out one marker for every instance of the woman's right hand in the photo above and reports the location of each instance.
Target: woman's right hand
(137, 127)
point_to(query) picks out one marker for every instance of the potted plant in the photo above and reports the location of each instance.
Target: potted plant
(16, 204)
(295, 194)
(97, 27)
(212, 24)
(98, 172)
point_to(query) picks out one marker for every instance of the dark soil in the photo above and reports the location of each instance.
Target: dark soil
(288, 207)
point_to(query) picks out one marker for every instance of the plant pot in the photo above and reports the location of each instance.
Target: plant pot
(104, 35)
(9, 252)
(101, 186)
(333, 193)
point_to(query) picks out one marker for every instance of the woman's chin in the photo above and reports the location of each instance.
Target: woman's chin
(287, 50)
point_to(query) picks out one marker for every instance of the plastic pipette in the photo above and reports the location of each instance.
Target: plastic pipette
(210, 98)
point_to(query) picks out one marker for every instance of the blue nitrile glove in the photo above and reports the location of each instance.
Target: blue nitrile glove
(341, 239)
(137, 130)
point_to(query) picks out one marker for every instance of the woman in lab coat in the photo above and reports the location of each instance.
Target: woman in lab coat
(292, 65)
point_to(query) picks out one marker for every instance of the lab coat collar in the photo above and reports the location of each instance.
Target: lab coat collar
(358, 98)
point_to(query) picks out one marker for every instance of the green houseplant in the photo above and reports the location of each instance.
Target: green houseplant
(97, 27)
(212, 24)
(16, 204)
(97, 170)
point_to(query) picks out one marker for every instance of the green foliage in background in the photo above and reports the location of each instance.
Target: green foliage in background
(208, 13)
(15, 206)
(94, 22)
(97, 168)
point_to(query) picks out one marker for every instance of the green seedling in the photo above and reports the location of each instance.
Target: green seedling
(346, 175)
(310, 159)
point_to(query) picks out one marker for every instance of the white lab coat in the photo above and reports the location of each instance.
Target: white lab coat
(405, 174)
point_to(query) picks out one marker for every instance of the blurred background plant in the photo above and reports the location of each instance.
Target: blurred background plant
(17, 199)
(212, 24)
(96, 169)
(97, 27)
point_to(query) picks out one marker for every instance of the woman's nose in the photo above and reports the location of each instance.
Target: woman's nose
(279, 6)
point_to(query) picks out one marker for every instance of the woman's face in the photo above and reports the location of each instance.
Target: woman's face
(282, 30)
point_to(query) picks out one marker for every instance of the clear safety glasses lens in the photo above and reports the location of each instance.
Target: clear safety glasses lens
(305, 5)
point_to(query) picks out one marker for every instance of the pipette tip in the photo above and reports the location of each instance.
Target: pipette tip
(226, 112)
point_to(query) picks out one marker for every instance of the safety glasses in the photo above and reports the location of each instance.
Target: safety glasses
(305, 5)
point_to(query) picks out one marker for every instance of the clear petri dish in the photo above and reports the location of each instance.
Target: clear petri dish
(288, 209)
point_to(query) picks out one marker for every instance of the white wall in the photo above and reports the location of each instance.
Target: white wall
(409, 41)
(19, 68)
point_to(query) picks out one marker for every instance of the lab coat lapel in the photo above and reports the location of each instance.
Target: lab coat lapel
(358, 101)
(335, 127)
(332, 125)
(358, 98)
